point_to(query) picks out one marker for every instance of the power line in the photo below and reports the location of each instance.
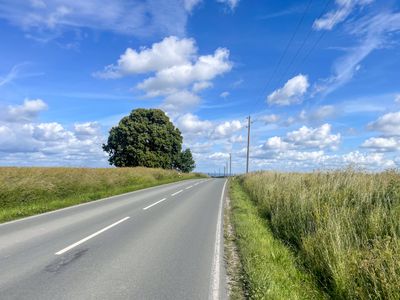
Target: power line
(305, 41)
(290, 41)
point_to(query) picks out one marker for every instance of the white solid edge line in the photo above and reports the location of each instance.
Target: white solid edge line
(155, 203)
(176, 193)
(90, 236)
(216, 268)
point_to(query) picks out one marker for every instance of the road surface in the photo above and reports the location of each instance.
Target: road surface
(159, 243)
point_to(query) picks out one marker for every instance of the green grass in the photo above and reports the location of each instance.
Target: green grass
(270, 268)
(344, 227)
(29, 191)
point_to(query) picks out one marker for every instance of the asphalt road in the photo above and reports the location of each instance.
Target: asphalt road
(159, 243)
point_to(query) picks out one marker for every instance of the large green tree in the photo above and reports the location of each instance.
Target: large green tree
(185, 162)
(145, 138)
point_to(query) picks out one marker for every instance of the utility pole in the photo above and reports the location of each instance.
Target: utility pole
(248, 143)
(227, 169)
(224, 171)
(230, 164)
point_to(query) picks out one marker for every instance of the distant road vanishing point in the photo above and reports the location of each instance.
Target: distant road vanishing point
(159, 243)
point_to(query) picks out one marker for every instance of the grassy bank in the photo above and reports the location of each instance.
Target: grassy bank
(343, 226)
(29, 191)
(270, 269)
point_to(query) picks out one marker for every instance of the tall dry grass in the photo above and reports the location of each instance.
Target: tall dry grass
(345, 227)
(27, 191)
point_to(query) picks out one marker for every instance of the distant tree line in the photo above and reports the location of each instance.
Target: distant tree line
(147, 138)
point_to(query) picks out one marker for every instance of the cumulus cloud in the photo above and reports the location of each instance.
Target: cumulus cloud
(178, 73)
(180, 101)
(291, 93)
(219, 156)
(382, 144)
(387, 124)
(344, 9)
(226, 129)
(304, 138)
(191, 124)
(368, 160)
(87, 129)
(25, 141)
(204, 68)
(320, 137)
(276, 143)
(28, 111)
(199, 86)
(236, 139)
(171, 51)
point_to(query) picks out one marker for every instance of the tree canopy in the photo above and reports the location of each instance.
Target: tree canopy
(185, 162)
(148, 138)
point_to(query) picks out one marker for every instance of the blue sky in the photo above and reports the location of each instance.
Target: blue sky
(320, 79)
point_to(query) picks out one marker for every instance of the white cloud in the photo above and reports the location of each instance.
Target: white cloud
(199, 86)
(50, 18)
(204, 68)
(232, 4)
(320, 113)
(171, 51)
(24, 141)
(303, 138)
(50, 132)
(320, 137)
(201, 148)
(388, 124)
(10, 76)
(226, 129)
(291, 93)
(190, 4)
(373, 33)
(344, 9)
(367, 160)
(191, 124)
(236, 139)
(315, 156)
(277, 144)
(28, 111)
(269, 119)
(219, 156)
(87, 129)
(382, 144)
(180, 102)
(178, 72)
(224, 94)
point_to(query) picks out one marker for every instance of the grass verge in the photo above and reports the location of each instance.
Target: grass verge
(233, 265)
(29, 191)
(270, 268)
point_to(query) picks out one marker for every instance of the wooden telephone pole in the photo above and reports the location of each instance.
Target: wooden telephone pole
(248, 143)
